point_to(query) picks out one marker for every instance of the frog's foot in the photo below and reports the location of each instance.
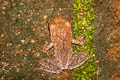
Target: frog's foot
(79, 42)
(77, 60)
(46, 48)
(50, 66)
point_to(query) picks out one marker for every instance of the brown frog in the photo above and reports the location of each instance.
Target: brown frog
(61, 36)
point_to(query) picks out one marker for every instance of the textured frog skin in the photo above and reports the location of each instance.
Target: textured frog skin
(61, 37)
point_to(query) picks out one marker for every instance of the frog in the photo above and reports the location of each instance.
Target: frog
(61, 41)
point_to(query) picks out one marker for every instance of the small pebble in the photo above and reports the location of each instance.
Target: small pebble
(45, 17)
(23, 41)
(32, 41)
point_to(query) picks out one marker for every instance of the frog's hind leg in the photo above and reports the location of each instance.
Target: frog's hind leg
(77, 60)
(49, 65)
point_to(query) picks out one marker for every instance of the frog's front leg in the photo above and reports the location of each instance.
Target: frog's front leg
(49, 65)
(45, 49)
(79, 42)
(77, 60)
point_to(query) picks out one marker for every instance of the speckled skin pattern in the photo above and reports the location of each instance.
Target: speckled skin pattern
(61, 36)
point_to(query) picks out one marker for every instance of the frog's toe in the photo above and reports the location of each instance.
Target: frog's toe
(49, 66)
(77, 60)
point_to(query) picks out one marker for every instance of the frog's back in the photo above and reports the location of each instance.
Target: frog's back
(61, 36)
(60, 29)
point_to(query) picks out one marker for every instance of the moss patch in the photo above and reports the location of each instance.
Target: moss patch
(82, 21)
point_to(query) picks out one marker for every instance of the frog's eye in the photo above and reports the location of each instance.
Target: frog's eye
(68, 24)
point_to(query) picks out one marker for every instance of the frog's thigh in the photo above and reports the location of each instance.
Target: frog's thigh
(49, 65)
(81, 42)
(77, 60)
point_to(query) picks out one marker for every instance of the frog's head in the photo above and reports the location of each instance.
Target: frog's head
(58, 20)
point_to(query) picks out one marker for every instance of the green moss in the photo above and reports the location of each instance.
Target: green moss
(82, 21)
